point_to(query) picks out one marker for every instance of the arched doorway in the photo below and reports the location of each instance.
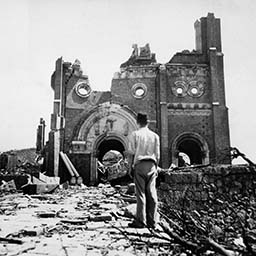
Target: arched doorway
(193, 146)
(192, 149)
(106, 127)
(109, 151)
(107, 145)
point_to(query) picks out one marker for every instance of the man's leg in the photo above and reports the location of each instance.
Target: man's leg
(151, 198)
(140, 194)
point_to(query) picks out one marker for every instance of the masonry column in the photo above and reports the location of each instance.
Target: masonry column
(57, 120)
(40, 136)
(220, 111)
(93, 169)
(164, 140)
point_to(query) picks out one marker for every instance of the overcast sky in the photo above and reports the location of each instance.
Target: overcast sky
(100, 34)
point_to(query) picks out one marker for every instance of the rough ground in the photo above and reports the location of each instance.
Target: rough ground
(94, 221)
(73, 221)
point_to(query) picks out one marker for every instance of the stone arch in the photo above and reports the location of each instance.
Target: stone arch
(107, 122)
(107, 119)
(111, 137)
(192, 144)
(94, 113)
(113, 145)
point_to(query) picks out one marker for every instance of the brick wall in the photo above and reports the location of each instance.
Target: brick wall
(193, 188)
(121, 91)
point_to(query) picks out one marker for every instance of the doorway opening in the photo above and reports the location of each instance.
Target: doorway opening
(107, 145)
(112, 165)
(192, 149)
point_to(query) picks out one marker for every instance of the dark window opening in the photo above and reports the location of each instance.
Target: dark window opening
(192, 149)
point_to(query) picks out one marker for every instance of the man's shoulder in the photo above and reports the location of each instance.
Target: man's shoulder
(133, 133)
(142, 131)
(154, 133)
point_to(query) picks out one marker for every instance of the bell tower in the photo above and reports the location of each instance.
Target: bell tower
(197, 111)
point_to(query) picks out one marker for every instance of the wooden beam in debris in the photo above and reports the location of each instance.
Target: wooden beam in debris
(187, 244)
(10, 240)
(64, 158)
(219, 248)
(79, 179)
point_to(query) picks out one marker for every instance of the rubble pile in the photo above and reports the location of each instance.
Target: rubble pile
(19, 161)
(222, 227)
(16, 168)
(113, 166)
(81, 220)
(21, 169)
(75, 221)
(94, 221)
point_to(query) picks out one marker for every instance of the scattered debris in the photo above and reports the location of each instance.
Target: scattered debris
(8, 186)
(39, 188)
(94, 220)
(235, 153)
(10, 240)
(128, 198)
(113, 166)
(131, 189)
(36, 231)
(75, 221)
(130, 211)
(19, 161)
(75, 178)
(101, 217)
(46, 214)
(40, 184)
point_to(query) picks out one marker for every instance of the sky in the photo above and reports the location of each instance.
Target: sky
(100, 33)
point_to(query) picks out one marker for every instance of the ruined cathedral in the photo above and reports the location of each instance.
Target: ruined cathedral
(184, 99)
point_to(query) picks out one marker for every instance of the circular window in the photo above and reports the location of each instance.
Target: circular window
(83, 90)
(179, 89)
(196, 88)
(139, 90)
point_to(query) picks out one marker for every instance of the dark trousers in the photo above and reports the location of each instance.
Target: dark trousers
(145, 175)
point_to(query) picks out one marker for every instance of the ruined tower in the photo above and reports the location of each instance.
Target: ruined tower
(184, 98)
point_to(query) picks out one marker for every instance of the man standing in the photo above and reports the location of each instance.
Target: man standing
(145, 148)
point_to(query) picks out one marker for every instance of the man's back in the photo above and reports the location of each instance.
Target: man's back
(145, 145)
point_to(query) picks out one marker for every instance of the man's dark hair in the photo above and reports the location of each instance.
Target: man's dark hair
(142, 119)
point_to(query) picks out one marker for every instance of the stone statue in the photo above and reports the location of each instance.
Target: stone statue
(77, 62)
(141, 56)
(77, 67)
(135, 52)
(145, 51)
(109, 124)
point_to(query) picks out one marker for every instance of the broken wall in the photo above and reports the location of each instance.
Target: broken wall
(194, 188)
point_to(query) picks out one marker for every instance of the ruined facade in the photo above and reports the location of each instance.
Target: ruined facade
(184, 99)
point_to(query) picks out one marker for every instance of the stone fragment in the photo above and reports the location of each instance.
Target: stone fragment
(75, 221)
(130, 211)
(36, 231)
(131, 189)
(46, 214)
(39, 188)
(8, 186)
(102, 217)
(47, 179)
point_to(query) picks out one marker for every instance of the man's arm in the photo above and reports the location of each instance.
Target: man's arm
(157, 149)
(131, 152)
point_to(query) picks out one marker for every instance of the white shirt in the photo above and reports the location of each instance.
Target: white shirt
(144, 144)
